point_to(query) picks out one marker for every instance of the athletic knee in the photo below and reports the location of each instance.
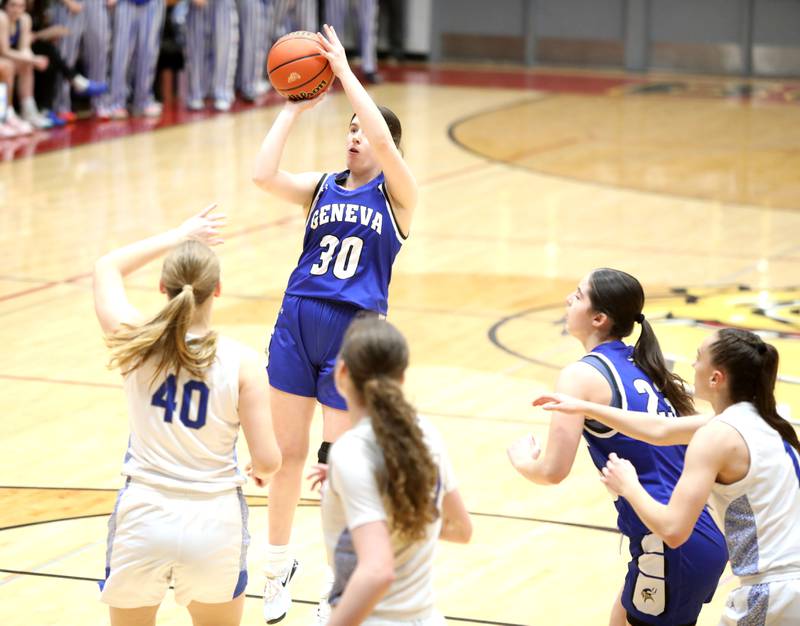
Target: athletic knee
(6, 69)
(293, 456)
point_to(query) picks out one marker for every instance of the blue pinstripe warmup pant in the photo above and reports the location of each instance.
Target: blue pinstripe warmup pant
(336, 14)
(92, 28)
(137, 38)
(292, 15)
(255, 20)
(212, 45)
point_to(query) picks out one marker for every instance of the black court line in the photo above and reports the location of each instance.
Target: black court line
(494, 329)
(255, 596)
(453, 126)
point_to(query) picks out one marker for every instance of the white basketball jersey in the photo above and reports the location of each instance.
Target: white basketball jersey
(184, 430)
(759, 514)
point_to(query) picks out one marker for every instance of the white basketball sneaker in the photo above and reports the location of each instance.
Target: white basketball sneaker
(323, 613)
(277, 598)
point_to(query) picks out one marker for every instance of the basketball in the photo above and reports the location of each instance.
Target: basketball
(296, 67)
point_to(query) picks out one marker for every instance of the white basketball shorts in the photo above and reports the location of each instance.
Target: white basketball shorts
(766, 603)
(196, 541)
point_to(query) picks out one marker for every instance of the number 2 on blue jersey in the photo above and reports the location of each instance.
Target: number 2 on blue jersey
(645, 388)
(164, 398)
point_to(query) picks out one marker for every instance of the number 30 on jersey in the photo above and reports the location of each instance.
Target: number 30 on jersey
(347, 256)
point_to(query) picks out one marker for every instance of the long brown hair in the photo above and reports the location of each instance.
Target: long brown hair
(190, 275)
(752, 369)
(621, 297)
(376, 356)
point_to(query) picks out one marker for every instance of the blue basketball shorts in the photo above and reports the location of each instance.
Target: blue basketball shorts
(666, 587)
(304, 346)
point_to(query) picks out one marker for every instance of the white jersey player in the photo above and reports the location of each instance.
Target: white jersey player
(181, 517)
(390, 494)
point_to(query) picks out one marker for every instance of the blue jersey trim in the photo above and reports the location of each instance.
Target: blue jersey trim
(241, 584)
(112, 531)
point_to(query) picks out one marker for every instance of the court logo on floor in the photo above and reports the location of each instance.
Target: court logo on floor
(773, 313)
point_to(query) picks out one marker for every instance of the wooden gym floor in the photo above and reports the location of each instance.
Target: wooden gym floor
(528, 180)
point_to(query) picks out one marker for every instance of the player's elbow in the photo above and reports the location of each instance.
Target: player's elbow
(456, 530)
(103, 268)
(383, 575)
(676, 537)
(553, 474)
(263, 181)
(463, 532)
(101, 264)
(267, 465)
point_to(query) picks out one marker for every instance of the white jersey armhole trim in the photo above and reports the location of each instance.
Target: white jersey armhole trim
(317, 193)
(397, 232)
(623, 399)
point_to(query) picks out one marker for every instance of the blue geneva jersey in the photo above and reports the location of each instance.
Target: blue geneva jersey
(350, 243)
(658, 467)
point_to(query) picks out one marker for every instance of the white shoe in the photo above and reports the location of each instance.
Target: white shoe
(323, 612)
(195, 105)
(277, 598)
(37, 120)
(262, 87)
(153, 109)
(222, 105)
(8, 132)
(20, 126)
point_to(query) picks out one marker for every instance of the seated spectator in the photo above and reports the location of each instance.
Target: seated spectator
(15, 47)
(10, 124)
(48, 81)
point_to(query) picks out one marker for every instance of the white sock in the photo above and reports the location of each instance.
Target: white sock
(80, 82)
(327, 583)
(278, 560)
(28, 106)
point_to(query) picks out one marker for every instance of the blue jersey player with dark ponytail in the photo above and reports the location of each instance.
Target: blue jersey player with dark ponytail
(663, 586)
(356, 222)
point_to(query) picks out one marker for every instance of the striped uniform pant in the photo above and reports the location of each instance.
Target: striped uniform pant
(255, 21)
(212, 69)
(292, 15)
(336, 14)
(137, 37)
(92, 27)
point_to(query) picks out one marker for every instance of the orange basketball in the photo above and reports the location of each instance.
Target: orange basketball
(296, 67)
